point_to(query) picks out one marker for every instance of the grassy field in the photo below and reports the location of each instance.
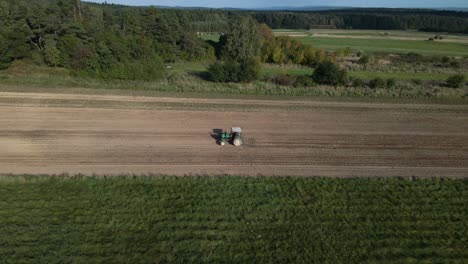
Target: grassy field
(232, 219)
(373, 41)
(401, 76)
(23, 70)
(378, 41)
(388, 46)
(270, 70)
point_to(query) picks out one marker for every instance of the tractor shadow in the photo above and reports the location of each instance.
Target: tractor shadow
(216, 134)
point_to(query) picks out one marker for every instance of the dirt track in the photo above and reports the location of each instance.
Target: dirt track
(344, 143)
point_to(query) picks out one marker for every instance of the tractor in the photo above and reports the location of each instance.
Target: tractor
(234, 137)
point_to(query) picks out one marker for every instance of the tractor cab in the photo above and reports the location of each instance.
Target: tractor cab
(233, 137)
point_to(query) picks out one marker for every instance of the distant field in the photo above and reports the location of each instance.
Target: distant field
(372, 41)
(378, 42)
(233, 219)
(383, 34)
(388, 46)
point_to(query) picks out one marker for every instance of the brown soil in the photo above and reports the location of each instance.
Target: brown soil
(353, 141)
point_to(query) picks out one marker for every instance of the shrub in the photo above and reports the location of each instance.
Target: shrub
(249, 69)
(364, 59)
(413, 57)
(348, 52)
(329, 73)
(304, 81)
(455, 64)
(216, 72)
(246, 70)
(357, 82)
(416, 81)
(284, 80)
(456, 81)
(445, 60)
(340, 53)
(151, 69)
(4, 54)
(377, 83)
(391, 83)
(228, 71)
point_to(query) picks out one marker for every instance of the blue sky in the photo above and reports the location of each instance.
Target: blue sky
(272, 3)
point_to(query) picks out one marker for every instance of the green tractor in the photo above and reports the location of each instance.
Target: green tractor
(234, 137)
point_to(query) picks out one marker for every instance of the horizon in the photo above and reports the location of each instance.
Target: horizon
(259, 4)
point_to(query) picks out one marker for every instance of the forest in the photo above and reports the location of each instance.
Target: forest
(116, 42)
(386, 19)
(99, 40)
(109, 41)
(214, 20)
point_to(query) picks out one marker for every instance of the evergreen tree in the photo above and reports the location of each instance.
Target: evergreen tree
(330, 74)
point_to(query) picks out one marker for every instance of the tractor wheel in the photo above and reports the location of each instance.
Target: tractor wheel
(237, 142)
(222, 143)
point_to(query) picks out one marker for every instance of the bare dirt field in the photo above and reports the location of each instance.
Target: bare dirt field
(337, 139)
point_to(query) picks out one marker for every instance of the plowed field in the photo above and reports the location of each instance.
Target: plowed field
(322, 139)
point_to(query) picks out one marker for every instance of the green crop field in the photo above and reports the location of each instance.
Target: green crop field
(388, 45)
(232, 220)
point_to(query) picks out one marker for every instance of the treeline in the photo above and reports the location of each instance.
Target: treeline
(206, 20)
(104, 41)
(216, 20)
(439, 21)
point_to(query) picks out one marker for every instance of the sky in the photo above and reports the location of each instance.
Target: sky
(294, 3)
